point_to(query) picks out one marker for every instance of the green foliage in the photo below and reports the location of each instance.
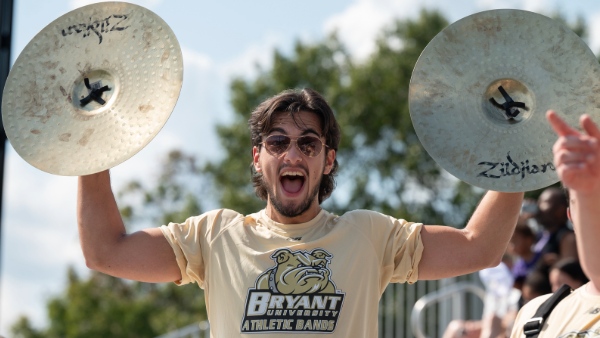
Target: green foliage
(104, 306)
(173, 198)
(23, 328)
(578, 27)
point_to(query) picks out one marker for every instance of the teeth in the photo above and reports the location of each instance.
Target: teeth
(292, 173)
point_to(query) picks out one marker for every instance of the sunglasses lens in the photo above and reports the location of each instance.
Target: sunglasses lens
(277, 144)
(309, 145)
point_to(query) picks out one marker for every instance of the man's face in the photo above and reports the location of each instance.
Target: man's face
(550, 212)
(292, 179)
(520, 244)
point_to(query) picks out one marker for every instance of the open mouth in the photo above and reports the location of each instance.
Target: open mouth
(292, 181)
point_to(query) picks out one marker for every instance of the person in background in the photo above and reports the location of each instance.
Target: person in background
(577, 163)
(567, 271)
(520, 248)
(500, 305)
(537, 283)
(557, 240)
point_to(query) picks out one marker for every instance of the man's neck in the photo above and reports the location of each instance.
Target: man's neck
(592, 288)
(306, 216)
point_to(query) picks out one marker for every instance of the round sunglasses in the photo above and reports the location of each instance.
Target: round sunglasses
(310, 146)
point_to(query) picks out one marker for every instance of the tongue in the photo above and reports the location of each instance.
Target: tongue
(292, 185)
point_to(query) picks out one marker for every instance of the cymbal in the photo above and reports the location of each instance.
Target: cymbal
(92, 88)
(480, 90)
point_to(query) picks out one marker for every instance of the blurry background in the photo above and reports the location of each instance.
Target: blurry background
(359, 53)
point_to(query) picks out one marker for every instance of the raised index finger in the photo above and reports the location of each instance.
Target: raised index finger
(589, 126)
(561, 128)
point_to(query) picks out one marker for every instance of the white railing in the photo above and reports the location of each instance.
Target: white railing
(451, 291)
(199, 330)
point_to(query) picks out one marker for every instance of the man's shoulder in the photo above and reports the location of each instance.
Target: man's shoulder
(216, 218)
(362, 216)
(373, 219)
(526, 313)
(561, 310)
(220, 213)
(371, 214)
(531, 307)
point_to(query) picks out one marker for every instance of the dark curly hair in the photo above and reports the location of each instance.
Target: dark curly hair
(572, 268)
(293, 102)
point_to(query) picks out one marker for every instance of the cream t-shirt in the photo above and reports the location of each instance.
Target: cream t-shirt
(576, 316)
(325, 276)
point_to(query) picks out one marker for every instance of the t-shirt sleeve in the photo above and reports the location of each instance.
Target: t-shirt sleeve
(186, 241)
(191, 242)
(406, 249)
(397, 242)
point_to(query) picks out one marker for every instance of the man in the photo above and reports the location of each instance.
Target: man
(577, 162)
(557, 241)
(291, 267)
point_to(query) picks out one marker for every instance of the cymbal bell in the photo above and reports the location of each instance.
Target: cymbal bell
(480, 90)
(92, 88)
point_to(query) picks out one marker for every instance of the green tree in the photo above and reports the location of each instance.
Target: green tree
(104, 306)
(174, 196)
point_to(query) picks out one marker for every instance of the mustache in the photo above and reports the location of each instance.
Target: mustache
(301, 166)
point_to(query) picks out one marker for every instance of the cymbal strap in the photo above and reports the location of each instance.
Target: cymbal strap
(508, 105)
(95, 93)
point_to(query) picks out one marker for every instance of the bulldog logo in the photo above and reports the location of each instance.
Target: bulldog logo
(298, 272)
(582, 334)
(295, 295)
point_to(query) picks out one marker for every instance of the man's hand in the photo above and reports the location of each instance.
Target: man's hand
(577, 154)
(577, 161)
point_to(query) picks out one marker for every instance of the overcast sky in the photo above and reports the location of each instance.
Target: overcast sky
(219, 39)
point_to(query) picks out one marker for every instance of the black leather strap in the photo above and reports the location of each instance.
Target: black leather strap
(533, 326)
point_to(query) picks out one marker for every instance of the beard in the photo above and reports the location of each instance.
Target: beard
(291, 210)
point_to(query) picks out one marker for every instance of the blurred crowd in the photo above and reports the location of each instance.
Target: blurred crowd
(541, 256)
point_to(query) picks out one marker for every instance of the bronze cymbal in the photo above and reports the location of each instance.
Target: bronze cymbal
(480, 90)
(92, 88)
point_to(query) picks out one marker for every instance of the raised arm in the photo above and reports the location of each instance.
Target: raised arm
(451, 252)
(144, 255)
(577, 161)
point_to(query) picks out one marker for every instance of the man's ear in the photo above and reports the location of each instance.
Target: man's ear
(329, 161)
(255, 157)
(569, 214)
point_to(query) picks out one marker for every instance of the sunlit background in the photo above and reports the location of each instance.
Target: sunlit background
(219, 40)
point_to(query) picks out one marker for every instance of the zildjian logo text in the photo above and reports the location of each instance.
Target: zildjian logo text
(497, 170)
